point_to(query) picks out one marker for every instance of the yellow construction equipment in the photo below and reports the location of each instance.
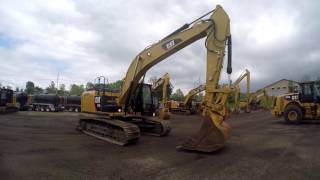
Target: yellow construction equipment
(260, 100)
(7, 101)
(236, 87)
(174, 105)
(163, 82)
(188, 99)
(187, 105)
(124, 125)
(296, 107)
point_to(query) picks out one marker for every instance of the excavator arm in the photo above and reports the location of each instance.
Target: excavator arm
(163, 82)
(236, 90)
(214, 131)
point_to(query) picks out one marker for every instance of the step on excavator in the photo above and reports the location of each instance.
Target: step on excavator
(128, 114)
(164, 83)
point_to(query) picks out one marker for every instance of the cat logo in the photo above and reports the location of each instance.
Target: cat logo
(171, 43)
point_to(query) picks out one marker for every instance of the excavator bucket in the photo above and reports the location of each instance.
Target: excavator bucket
(209, 138)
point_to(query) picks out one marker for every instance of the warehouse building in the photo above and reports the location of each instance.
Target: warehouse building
(281, 87)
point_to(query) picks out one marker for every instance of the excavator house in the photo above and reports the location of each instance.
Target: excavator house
(121, 118)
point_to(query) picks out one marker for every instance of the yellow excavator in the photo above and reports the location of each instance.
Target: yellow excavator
(236, 87)
(260, 100)
(187, 106)
(163, 82)
(129, 114)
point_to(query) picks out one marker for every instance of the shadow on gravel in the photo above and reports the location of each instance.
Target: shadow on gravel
(216, 153)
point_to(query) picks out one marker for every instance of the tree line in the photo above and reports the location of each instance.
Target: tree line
(78, 89)
(75, 89)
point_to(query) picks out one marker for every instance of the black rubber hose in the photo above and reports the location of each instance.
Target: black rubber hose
(229, 66)
(185, 26)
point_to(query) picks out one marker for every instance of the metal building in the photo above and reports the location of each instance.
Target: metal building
(281, 87)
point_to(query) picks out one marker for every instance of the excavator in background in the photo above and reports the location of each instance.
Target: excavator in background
(7, 101)
(260, 100)
(163, 82)
(298, 106)
(187, 106)
(128, 114)
(236, 87)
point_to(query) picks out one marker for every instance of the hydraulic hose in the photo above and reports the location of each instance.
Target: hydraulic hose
(229, 66)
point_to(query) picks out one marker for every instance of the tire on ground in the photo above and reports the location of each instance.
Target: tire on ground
(293, 109)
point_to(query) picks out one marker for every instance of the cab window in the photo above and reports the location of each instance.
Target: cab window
(317, 90)
(307, 90)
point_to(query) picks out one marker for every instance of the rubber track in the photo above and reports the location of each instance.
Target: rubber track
(161, 127)
(113, 131)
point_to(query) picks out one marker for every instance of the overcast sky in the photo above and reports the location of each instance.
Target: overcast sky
(83, 39)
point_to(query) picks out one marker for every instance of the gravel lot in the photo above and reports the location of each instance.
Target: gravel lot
(35, 145)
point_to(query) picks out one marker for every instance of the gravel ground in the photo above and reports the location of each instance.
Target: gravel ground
(35, 145)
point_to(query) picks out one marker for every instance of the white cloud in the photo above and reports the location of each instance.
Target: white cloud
(83, 39)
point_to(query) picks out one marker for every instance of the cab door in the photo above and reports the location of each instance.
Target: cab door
(306, 94)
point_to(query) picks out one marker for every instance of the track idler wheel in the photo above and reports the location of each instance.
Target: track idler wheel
(211, 137)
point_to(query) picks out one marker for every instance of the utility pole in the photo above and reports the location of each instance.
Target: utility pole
(57, 83)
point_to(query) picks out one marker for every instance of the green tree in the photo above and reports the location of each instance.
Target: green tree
(76, 89)
(114, 85)
(38, 90)
(29, 87)
(89, 85)
(62, 90)
(52, 88)
(178, 95)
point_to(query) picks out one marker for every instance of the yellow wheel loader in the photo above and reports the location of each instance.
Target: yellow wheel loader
(296, 107)
(128, 115)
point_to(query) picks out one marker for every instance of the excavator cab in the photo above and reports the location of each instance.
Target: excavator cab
(142, 100)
